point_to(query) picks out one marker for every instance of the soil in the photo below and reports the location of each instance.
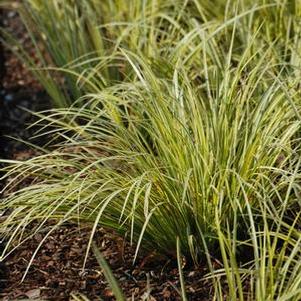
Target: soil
(57, 269)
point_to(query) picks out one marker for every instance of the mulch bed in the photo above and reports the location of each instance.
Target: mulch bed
(57, 270)
(19, 90)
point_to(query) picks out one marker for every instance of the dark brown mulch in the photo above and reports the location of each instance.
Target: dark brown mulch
(18, 90)
(17, 75)
(56, 271)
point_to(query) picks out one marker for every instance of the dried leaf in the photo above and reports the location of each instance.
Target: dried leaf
(33, 294)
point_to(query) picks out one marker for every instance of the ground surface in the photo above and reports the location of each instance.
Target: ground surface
(56, 271)
(18, 90)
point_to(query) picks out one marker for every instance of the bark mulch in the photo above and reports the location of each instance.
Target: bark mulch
(57, 270)
(19, 90)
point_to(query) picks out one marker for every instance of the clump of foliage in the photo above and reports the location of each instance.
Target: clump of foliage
(184, 129)
(81, 37)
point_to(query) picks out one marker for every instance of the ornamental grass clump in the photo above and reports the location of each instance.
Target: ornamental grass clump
(164, 161)
(185, 139)
(160, 158)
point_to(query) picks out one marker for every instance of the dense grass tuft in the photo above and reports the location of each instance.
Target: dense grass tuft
(184, 131)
